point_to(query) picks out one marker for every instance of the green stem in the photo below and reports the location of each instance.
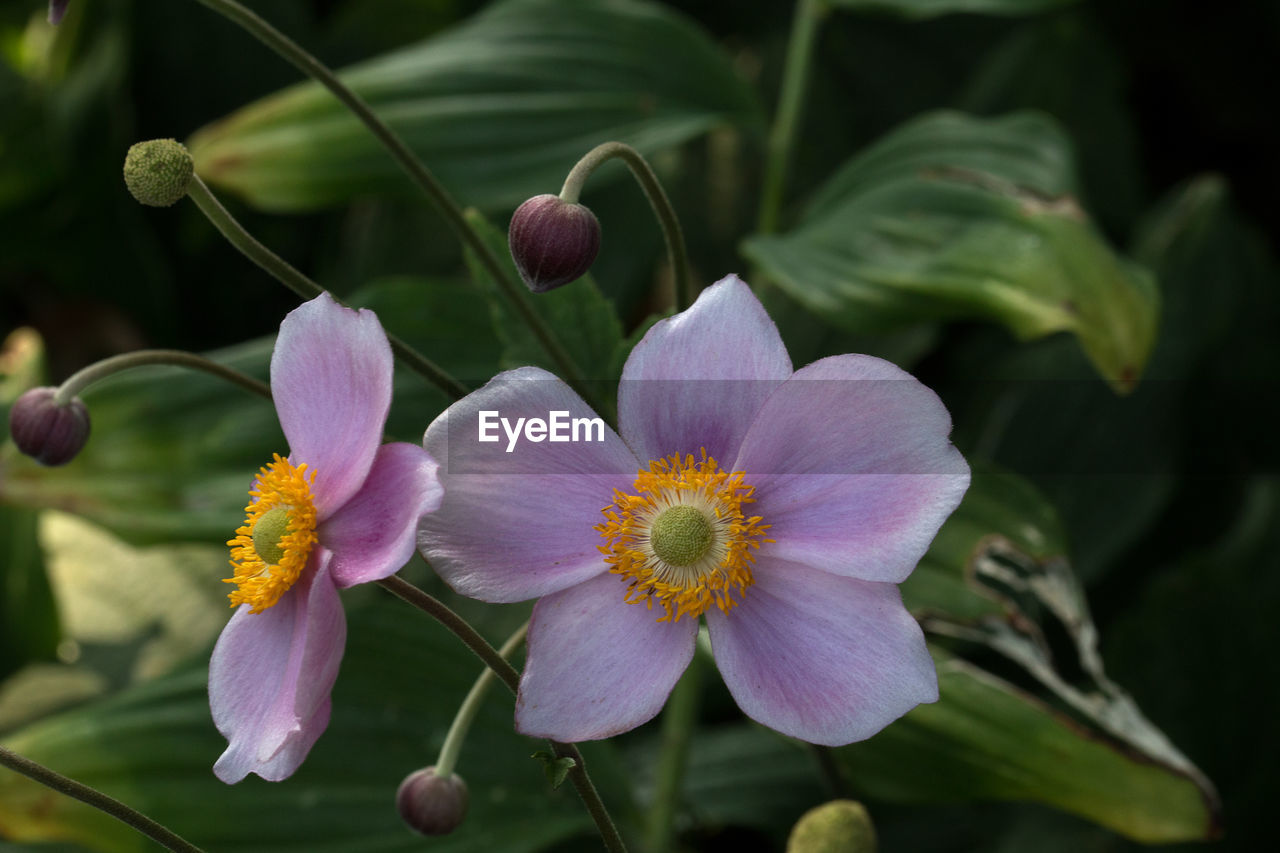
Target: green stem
(677, 255)
(495, 661)
(290, 277)
(453, 741)
(155, 831)
(82, 379)
(677, 728)
(795, 79)
(418, 173)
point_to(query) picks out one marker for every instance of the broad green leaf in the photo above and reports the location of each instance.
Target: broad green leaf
(997, 580)
(920, 9)
(153, 746)
(988, 740)
(28, 618)
(500, 108)
(953, 217)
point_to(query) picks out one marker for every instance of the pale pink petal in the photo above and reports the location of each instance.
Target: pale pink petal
(517, 525)
(697, 379)
(373, 534)
(331, 381)
(826, 659)
(596, 665)
(270, 677)
(853, 468)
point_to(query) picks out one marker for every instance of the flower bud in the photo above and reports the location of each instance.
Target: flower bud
(158, 171)
(50, 433)
(57, 8)
(840, 826)
(552, 241)
(431, 804)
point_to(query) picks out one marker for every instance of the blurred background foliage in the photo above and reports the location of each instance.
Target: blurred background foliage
(1058, 214)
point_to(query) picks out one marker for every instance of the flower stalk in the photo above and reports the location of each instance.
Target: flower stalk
(82, 379)
(292, 52)
(154, 830)
(494, 659)
(677, 729)
(290, 277)
(457, 735)
(677, 254)
(795, 81)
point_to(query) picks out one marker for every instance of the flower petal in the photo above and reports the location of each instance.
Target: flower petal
(373, 534)
(331, 381)
(697, 379)
(517, 525)
(598, 666)
(826, 659)
(270, 677)
(853, 469)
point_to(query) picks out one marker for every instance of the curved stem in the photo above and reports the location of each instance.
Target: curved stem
(290, 277)
(91, 796)
(795, 79)
(418, 173)
(677, 728)
(453, 741)
(439, 611)
(82, 379)
(677, 254)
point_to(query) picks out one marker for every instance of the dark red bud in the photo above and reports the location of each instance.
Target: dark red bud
(47, 432)
(431, 804)
(552, 241)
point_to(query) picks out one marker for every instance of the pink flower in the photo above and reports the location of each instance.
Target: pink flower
(341, 510)
(782, 506)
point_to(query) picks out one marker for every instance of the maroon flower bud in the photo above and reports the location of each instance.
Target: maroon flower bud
(57, 8)
(552, 241)
(431, 804)
(50, 433)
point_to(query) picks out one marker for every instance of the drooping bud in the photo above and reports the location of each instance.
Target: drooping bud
(431, 804)
(57, 8)
(552, 241)
(840, 826)
(158, 171)
(50, 433)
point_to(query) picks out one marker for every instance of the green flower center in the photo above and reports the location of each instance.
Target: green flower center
(271, 528)
(681, 536)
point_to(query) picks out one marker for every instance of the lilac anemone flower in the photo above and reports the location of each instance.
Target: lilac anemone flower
(783, 507)
(340, 510)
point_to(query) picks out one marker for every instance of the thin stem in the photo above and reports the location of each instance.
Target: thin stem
(453, 741)
(82, 379)
(110, 805)
(795, 79)
(436, 609)
(677, 728)
(677, 255)
(290, 277)
(832, 775)
(418, 173)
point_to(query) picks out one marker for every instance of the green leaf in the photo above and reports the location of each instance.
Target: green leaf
(954, 217)
(28, 618)
(987, 740)
(920, 9)
(500, 108)
(997, 586)
(556, 769)
(153, 746)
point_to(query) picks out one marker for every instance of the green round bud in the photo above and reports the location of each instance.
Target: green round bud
(270, 528)
(681, 536)
(158, 171)
(840, 826)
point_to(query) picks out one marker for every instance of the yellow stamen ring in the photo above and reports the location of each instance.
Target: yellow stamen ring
(270, 551)
(682, 539)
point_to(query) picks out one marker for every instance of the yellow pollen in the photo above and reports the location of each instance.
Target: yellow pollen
(682, 539)
(267, 560)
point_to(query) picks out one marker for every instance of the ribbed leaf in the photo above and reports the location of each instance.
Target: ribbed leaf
(500, 108)
(934, 8)
(953, 217)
